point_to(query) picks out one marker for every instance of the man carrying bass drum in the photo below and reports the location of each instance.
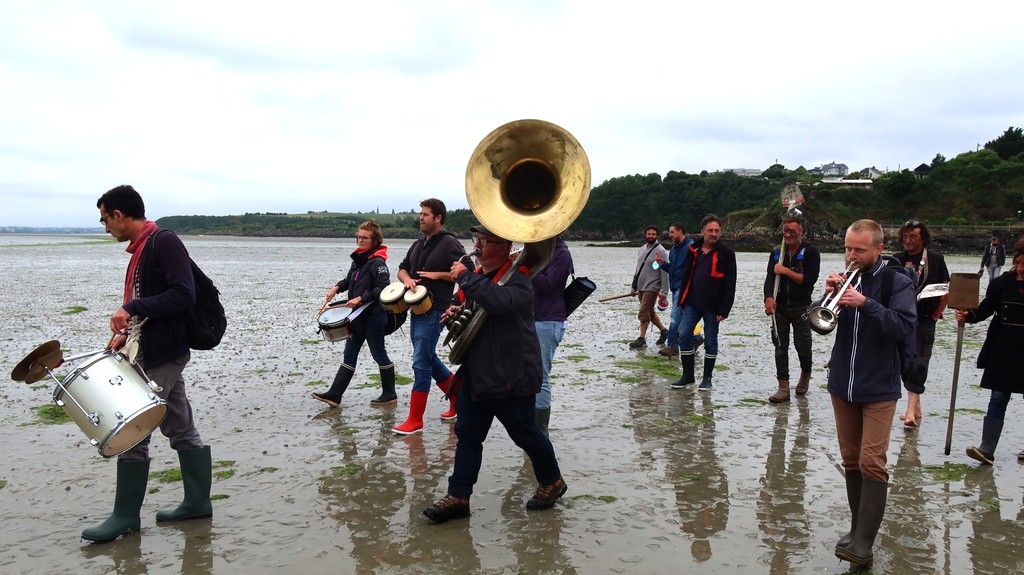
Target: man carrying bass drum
(367, 277)
(428, 263)
(158, 286)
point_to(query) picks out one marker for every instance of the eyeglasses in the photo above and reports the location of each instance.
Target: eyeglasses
(912, 224)
(484, 242)
(363, 238)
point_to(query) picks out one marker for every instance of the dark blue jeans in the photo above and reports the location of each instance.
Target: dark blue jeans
(372, 332)
(520, 421)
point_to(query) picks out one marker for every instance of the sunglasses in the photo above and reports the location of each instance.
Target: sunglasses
(912, 224)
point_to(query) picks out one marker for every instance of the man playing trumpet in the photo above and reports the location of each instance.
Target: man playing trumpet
(864, 378)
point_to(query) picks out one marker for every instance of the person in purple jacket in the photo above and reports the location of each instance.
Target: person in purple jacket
(864, 379)
(549, 317)
(158, 286)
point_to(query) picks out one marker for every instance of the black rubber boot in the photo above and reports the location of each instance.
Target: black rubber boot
(869, 519)
(854, 481)
(197, 475)
(341, 381)
(387, 387)
(686, 360)
(709, 370)
(991, 429)
(543, 418)
(132, 477)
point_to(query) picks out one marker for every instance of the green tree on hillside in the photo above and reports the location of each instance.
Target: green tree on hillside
(1010, 144)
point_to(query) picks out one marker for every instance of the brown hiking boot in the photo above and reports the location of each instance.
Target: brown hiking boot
(669, 351)
(546, 495)
(804, 383)
(449, 507)
(782, 394)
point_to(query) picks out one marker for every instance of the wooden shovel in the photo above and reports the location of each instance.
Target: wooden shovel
(963, 295)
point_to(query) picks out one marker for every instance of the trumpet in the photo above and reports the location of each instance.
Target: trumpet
(824, 316)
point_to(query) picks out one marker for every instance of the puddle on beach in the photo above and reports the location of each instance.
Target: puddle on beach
(659, 480)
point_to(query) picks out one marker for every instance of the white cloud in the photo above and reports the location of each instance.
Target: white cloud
(232, 107)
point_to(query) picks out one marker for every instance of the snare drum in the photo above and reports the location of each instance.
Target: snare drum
(418, 300)
(111, 401)
(334, 322)
(391, 297)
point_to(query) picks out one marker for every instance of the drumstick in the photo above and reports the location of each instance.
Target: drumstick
(604, 299)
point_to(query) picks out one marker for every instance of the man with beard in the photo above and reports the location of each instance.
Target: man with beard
(797, 271)
(929, 267)
(677, 261)
(159, 288)
(650, 285)
(708, 290)
(428, 263)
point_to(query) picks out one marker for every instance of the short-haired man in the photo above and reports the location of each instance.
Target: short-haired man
(929, 267)
(796, 273)
(428, 262)
(864, 379)
(650, 285)
(708, 289)
(677, 258)
(993, 258)
(158, 286)
(499, 378)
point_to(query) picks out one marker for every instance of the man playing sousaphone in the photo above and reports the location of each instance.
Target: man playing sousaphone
(428, 263)
(499, 378)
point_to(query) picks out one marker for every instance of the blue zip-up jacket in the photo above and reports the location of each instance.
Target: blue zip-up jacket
(676, 260)
(865, 362)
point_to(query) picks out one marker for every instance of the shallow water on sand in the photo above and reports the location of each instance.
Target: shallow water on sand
(659, 480)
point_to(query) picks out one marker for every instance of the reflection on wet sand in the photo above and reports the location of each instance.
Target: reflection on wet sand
(659, 480)
(781, 513)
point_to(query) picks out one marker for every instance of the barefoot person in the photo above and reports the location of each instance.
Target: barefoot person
(158, 286)
(499, 380)
(929, 267)
(367, 277)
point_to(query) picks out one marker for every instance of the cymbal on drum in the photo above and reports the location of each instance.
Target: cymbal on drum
(34, 366)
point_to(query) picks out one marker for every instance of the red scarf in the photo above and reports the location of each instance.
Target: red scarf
(136, 248)
(497, 276)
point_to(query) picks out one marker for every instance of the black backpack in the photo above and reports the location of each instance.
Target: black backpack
(205, 322)
(907, 349)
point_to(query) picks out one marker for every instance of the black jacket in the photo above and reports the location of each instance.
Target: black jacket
(434, 255)
(166, 292)
(792, 295)
(1004, 301)
(721, 285)
(936, 273)
(503, 360)
(367, 277)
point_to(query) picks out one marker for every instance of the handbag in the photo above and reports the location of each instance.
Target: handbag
(578, 290)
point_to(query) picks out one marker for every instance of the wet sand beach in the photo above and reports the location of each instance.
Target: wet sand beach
(659, 480)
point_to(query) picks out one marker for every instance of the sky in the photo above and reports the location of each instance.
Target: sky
(217, 108)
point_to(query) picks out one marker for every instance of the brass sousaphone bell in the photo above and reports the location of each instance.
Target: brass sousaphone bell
(527, 181)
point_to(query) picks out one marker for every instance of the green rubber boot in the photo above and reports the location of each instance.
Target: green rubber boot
(197, 475)
(131, 490)
(543, 417)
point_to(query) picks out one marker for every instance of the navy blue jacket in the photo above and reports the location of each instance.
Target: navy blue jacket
(503, 360)
(865, 364)
(676, 260)
(166, 292)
